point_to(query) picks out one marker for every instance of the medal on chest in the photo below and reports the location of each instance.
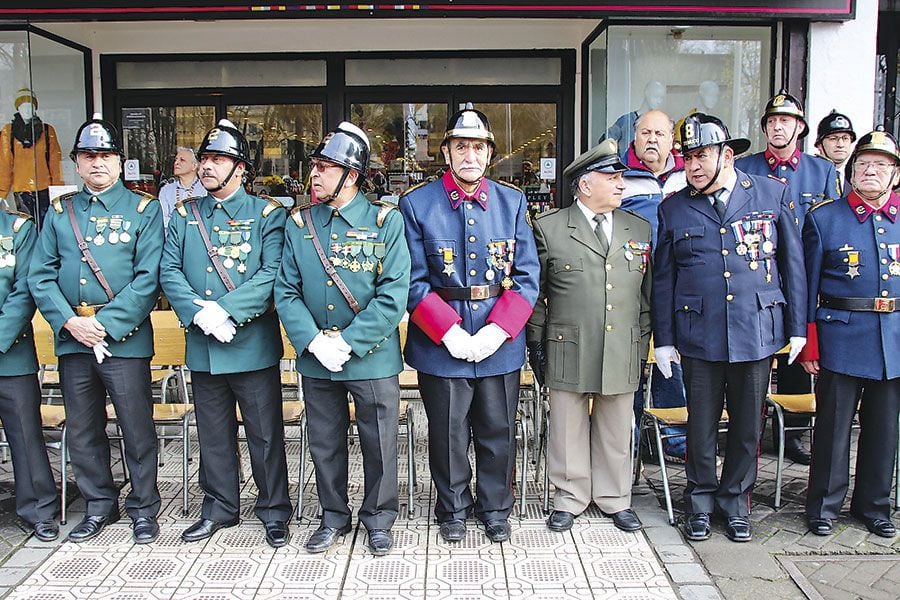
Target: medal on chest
(893, 251)
(7, 259)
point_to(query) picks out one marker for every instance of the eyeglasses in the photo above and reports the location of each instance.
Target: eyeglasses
(880, 167)
(321, 165)
(846, 139)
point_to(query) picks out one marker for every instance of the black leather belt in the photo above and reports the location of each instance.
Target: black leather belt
(881, 305)
(475, 292)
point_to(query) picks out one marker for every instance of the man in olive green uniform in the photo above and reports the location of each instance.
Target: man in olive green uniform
(595, 330)
(20, 392)
(219, 264)
(353, 349)
(95, 278)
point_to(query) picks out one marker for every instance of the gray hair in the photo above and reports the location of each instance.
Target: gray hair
(187, 149)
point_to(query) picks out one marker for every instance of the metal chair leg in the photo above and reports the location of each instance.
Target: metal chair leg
(779, 466)
(63, 454)
(185, 454)
(524, 466)
(302, 482)
(410, 465)
(546, 449)
(665, 476)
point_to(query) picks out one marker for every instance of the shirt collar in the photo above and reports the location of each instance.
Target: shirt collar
(456, 195)
(793, 161)
(231, 205)
(674, 163)
(350, 212)
(107, 198)
(589, 214)
(862, 209)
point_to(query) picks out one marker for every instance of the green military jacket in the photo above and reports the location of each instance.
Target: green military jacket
(125, 236)
(593, 312)
(17, 238)
(366, 244)
(248, 235)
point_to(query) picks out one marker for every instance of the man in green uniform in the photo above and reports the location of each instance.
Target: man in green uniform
(344, 310)
(95, 278)
(20, 392)
(232, 331)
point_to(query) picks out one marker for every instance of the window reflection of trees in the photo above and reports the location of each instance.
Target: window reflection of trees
(281, 136)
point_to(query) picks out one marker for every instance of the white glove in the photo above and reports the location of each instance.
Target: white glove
(665, 356)
(101, 352)
(210, 316)
(797, 344)
(332, 352)
(224, 332)
(459, 343)
(488, 340)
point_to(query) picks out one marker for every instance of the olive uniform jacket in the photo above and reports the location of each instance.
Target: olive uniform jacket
(593, 312)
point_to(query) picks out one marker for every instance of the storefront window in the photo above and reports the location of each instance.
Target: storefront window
(42, 104)
(724, 71)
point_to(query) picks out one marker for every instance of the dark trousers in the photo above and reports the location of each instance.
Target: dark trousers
(20, 400)
(35, 204)
(85, 385)
(742, 387)
(258, 393)
(792, 379)
(829, 475)
(482, 410)
(377, 402)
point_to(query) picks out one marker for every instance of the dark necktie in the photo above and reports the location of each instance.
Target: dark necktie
(718, 203)
(601, 237)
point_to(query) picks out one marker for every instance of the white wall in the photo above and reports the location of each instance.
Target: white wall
(842, 69)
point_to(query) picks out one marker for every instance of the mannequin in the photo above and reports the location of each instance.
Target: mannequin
(623, 129)
(29, 157)
(708, 98)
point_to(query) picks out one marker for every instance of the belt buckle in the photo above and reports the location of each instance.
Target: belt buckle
(480, 292)
(885, 305)
(85, 311)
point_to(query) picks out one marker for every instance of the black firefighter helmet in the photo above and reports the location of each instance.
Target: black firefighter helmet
(784, 103)
(95, 136)
(346, 145)
(469, 123)
(227, 140)
(835, 122)
(700, 130)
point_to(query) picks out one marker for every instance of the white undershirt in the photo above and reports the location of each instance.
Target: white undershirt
(606, 222)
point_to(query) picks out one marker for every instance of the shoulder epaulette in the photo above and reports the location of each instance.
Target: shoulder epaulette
(57, 202)
(415, 187)
(297, 215)
(271, 205)
(545, 213)
(384, 208)
(181, 208)
(634, 214)
(820, 204)
(21, 219)
(145, 200)
(778, 179)
(509, 185)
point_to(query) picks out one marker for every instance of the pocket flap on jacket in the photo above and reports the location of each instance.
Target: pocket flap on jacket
(689, 304)
(564, 265)
(770, 298)
(832, 314)
(433, 247)
(688, 232)
(562, 333)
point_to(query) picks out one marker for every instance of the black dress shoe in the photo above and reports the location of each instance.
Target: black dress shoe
(453, 530)
(798, 454)
(46, 531)
(324, 538)
(91, 526)
(820, 525)
(560, 521)
(626, 520)
(497, 531)
(880, 527)
(696, 527)
(277, 534)
(144, 530)
(204, 528)
(380, 541)
(737, 529)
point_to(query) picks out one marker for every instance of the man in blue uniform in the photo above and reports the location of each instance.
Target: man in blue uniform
(473, 285)
(344, 310)
(232, 333)
(852, 248)
(20, 394)
(809, 179)
(728, 289)
(95, 278)
(834, 141)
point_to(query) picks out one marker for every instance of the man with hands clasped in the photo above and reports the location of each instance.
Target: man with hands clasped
(728, 289)
(232, 333)
(341, 293)
(95, 278)
(473, 284)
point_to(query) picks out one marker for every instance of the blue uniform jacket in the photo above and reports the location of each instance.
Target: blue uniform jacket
(715, 300)
(813, 180)
(857, 343)
(468, 230)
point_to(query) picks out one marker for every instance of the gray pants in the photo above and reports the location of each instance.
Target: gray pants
(377, 403)
(85, 385)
